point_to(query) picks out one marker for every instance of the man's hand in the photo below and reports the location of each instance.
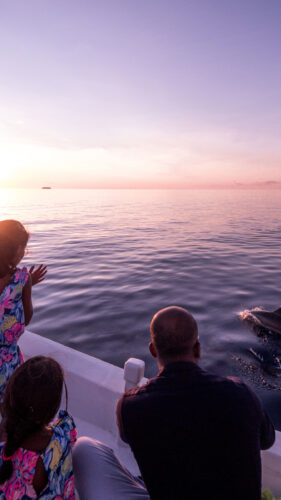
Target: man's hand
(38, 274)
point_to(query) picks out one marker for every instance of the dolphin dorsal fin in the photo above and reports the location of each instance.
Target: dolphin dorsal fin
(278, 311)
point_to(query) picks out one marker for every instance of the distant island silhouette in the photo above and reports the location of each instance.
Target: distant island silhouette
(46, 187)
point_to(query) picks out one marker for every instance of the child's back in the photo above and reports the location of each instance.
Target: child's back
(15, 296)
(35, 457)
(11, 326)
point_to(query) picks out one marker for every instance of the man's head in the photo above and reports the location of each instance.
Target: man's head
(174, 336)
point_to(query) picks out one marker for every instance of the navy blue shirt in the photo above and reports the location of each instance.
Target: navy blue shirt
(196, 436)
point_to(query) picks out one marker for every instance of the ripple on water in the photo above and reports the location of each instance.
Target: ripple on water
(114, 258)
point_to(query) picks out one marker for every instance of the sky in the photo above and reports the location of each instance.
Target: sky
(140, 93)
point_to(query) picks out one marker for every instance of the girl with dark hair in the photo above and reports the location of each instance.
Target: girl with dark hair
(15, 296)
(36, 457)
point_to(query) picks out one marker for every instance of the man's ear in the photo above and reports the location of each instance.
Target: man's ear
(152, 349)
(197, 350)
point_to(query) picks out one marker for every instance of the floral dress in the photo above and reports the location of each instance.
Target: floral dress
(11, 326)
(57, 460)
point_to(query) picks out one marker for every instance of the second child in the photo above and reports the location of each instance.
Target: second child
(35, 452)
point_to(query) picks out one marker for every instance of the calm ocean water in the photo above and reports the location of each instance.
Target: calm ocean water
(116, 257)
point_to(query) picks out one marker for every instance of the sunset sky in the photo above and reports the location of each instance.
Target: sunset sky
(140, 93)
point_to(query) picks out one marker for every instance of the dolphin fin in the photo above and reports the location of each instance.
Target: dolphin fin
(256, 354)
(278, 311)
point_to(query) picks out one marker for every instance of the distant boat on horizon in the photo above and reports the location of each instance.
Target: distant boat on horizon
(46, 187)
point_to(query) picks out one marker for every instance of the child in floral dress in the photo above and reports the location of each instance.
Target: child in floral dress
(15, 296)
(36, 455)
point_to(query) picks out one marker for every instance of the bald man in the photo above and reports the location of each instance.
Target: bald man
(194, 435)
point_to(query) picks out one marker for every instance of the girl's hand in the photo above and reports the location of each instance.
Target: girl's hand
(38, 274)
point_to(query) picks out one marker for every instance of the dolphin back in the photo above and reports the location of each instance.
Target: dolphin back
(278, 311)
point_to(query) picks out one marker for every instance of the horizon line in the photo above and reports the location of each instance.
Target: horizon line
(195, 188)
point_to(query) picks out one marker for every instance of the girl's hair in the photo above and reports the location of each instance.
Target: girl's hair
(12, 236)
(31, 400)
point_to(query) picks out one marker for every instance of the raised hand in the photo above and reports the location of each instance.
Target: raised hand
(37, 275)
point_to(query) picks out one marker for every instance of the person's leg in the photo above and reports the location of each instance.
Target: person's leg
(99, 475)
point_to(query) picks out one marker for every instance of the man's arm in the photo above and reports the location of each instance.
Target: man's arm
(119, 419)
(267, 436)
(27, 301)
(267, 431)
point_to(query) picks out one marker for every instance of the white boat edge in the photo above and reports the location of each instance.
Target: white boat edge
(94, 388)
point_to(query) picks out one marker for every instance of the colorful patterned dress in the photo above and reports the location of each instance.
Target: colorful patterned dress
(57, 459)
(11, 326)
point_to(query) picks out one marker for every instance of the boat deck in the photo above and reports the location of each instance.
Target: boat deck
(94, 388)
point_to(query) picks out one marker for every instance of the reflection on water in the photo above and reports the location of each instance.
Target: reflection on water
(115, 257)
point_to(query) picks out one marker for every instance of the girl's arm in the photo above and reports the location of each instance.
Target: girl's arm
(27, 301)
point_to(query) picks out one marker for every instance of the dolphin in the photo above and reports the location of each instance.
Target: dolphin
(270, 362)
(270, 321)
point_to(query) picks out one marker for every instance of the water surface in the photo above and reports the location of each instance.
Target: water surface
(116, 257)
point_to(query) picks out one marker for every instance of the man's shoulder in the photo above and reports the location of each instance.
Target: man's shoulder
(153, 384)
(230, 384)
(141, 390)
(229, 388)
(232, 392)
(230, 381)
(139, 393)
